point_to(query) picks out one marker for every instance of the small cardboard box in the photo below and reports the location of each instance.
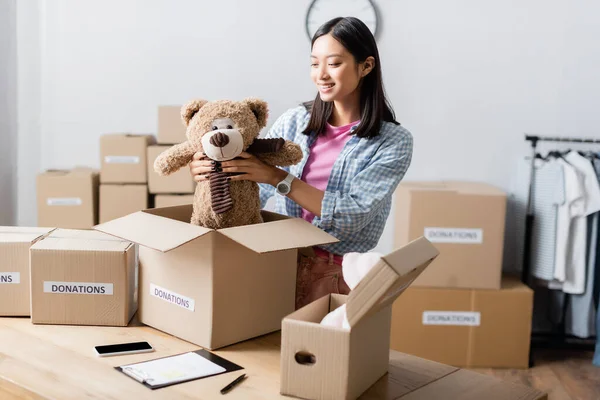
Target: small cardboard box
(123, 158)
(14, 268)
(68, 198)
(215, 287)
(171, 129)
(322, 362)
(465, 221)
(179, 182)
(119, 200)
(170, 200)
(466, 327)
(83, 278)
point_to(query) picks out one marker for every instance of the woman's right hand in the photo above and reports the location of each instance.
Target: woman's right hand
(200, 167)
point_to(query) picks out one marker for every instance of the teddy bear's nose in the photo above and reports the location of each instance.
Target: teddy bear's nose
(219, 139)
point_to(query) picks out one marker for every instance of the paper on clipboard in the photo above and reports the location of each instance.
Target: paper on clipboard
(180, 368)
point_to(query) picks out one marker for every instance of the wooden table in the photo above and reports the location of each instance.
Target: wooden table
(53, 361)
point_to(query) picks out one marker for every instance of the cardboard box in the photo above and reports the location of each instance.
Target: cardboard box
(119, 200)
(171, 129)
(68, 198)
(215, 287)
(179, 182)
(464, 220)
(323, 362)
(170, 200)
(123, 158)
(466, 328)
(14, 268)
(83, 278)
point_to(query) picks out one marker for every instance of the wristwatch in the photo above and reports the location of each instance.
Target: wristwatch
(285, 186)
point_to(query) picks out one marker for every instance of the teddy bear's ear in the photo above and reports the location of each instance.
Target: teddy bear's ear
(190, 109)
(260, 110)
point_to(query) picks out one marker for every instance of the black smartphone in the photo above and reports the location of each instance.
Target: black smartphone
(123, 348)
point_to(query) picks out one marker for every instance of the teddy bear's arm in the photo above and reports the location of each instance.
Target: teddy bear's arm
(290, 154)
(174, 158)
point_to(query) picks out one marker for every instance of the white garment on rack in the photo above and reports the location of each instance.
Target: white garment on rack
(580, 317)
(576, 255)
(548, 195)
(573, 205)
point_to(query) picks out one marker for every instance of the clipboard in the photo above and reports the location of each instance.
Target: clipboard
(211, 363)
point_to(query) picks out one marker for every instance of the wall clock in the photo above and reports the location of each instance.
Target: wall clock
(321, 11)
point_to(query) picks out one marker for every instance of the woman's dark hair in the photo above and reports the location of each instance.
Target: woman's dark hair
(356, 37)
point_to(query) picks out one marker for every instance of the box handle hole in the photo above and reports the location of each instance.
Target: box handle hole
(305, 358)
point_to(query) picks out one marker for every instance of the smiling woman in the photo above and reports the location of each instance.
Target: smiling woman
(355, 154)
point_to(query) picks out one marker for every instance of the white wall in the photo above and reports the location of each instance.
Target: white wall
(8, 111)
(29, 112)
(467, 78)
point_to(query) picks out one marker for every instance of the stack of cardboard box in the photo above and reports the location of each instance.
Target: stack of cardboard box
(461, 311)
(123, 174)
(68, 198)
(178, 188)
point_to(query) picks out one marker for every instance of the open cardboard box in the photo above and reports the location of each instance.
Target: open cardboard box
(322, 362)
(215, 287)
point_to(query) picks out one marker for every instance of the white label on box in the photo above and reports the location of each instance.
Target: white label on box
(78, 287)
(454, 235)
(10, 277)
(457, 318)
(63, 201)
(121, 159)
(172, 297)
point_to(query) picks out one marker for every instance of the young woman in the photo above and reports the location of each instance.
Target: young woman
(355, 154)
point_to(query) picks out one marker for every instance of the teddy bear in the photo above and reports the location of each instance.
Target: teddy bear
(222, 129)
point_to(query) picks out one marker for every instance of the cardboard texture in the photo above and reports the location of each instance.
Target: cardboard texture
(322, 362)
(464, 220)
(171, 129)
(170, 200)
(68, 198)
(215, 287)
(179, 182)
(123, 158)
(83, 278)
(466, 327)
(119, 200)
(14, 268)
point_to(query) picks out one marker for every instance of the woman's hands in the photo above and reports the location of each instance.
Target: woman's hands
(200, 167)
(249, 167)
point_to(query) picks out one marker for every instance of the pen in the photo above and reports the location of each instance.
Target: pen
(232, 384)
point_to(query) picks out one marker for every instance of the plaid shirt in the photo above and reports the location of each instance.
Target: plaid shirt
(363, 179)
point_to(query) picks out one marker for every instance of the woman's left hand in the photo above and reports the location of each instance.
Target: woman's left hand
(253, 169)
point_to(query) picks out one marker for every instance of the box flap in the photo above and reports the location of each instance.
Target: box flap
(81, 244)
(24, 229)
(389, 278)
(461, 187)
(66, 233)
(20, 234)
(158, 233)
(284, 234)
(18, 237)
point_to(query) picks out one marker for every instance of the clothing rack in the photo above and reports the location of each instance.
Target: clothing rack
(560, 340)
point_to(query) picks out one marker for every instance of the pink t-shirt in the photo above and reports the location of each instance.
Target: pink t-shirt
(323, 153)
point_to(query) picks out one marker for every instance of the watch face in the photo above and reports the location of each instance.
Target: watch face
(283, 188)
